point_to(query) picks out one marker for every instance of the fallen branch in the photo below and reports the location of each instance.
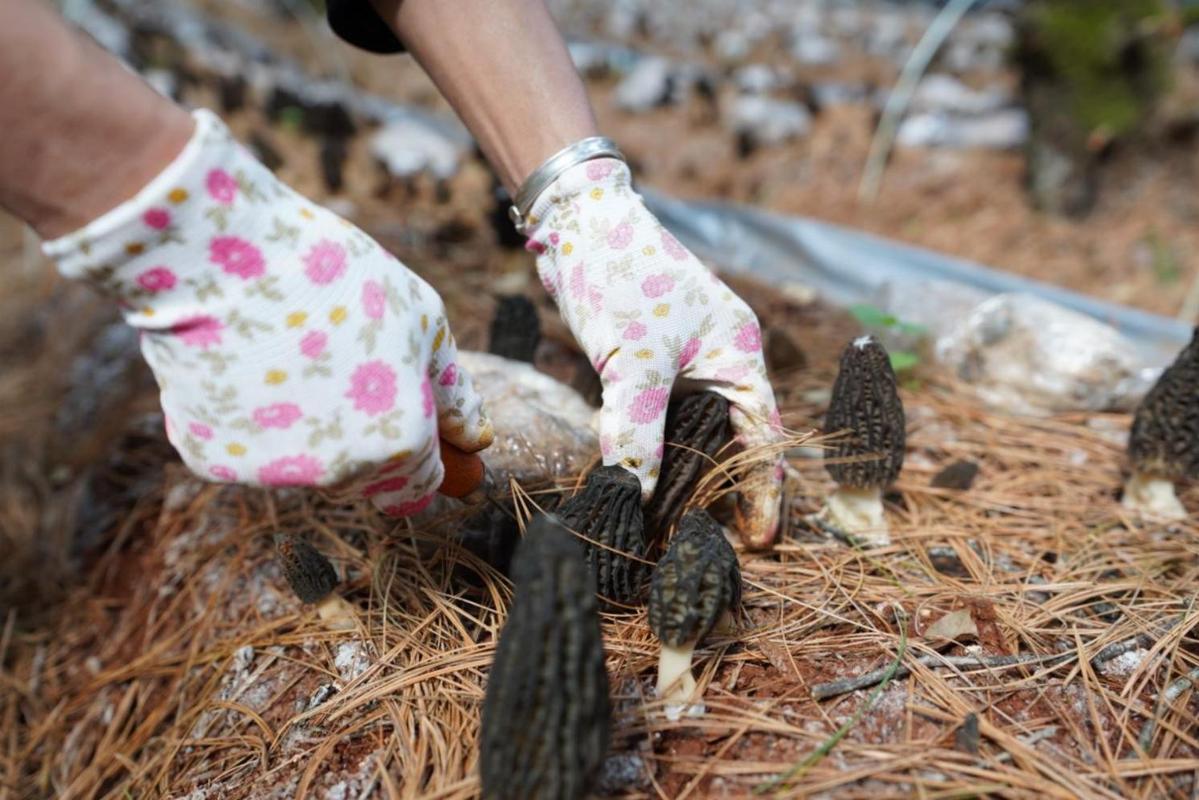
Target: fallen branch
(823, 691)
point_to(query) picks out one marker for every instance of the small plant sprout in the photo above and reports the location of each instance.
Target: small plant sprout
(695, 585)
(313, 579)
(1164, 443)
(607, 514)
(865, 404)
(546, 709)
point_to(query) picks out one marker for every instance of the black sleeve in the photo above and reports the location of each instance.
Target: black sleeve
(358, 23)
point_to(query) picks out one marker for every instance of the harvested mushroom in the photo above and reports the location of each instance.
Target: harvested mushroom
(515, 328)
(546, 709)
(697, 428)
(313, 579)
(695, 584)
(1164, 443)
(866, 460)
(607, 513)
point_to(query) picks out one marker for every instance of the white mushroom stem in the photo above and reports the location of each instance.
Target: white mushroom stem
(676, 685)
(1153, 498)
(859, 513)
(335, 612)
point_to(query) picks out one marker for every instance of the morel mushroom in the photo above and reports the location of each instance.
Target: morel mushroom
(607, 513)
(865, 403)
(1164, 443)
(546, 709)
(515, 328)
(312, 578)
(695, 584)
(697, 428)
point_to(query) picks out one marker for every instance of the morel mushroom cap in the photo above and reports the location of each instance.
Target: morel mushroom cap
(546, 710)
(1163, 445)
(697, 427)
(313, 579)
(310, 574)
(515, 328)
(694, 585)
(866, 403)
(607, 512)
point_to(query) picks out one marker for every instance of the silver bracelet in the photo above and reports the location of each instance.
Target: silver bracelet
(572, 155)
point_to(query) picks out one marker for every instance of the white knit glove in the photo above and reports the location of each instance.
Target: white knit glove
(289, 347)
(648, 313)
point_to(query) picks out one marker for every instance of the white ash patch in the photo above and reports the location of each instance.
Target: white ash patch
(1124, 664)
(354, 784)
(351, 660)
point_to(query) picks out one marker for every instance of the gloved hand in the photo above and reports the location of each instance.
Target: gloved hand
(648, 313)
(289, 347)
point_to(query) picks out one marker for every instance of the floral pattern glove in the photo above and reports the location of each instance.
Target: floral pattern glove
(289, 347)
(648, 313)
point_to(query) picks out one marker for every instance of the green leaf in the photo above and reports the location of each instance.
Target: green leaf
(902, 360)
(872, 317)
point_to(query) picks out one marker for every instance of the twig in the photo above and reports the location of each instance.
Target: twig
(823, 691)
(1167, 697)
(901, 95)
(831, 742)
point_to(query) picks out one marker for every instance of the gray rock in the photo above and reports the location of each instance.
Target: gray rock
(649, 85)
(946, 94)
(759, 79)
(764, 121)
(839, 94)
(406, 147)
(1000, 130)
(812, 48)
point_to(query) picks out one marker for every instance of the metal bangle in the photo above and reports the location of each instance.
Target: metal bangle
(572, 155)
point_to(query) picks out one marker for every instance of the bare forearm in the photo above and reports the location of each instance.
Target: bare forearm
(81, 133)
(503, 66)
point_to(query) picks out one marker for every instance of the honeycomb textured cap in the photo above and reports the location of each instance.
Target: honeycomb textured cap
(310, 574)
(697, 428)
(546, 709)
(607, 513)
(865, 402)
(1164, 441)
(695, 582)
(515, 328)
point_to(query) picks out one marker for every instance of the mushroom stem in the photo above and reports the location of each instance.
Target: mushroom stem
(1153, 497)
(335, 612)
(859, 513)
(676, 684)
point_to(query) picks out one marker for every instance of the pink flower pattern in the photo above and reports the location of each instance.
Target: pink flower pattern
(157, 218)
(325, 262)
(748, 338)
(261, 380)
(428, 406)
(203, 331)
(648, 405)
(373, 388)
(278, 415)
(222, 473)
(236, 256)
(300, 470)
(313, 344)
(156, 279)
(373, 299)
(221, 186)
(689, 351)
(645, 311)
(657, 285)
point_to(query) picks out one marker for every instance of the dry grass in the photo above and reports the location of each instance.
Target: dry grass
(180, 663)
